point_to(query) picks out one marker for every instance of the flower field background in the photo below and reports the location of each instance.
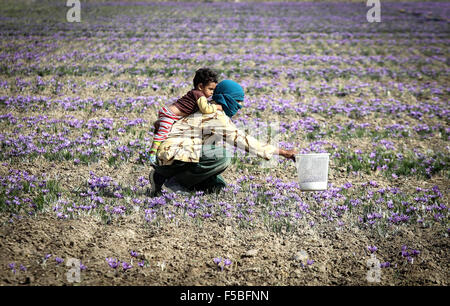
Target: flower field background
(77, 106)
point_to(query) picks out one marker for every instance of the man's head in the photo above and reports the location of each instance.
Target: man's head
(230, 95)
(205, 80)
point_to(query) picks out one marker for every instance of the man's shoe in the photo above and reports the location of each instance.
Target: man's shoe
(156, 182)
(173, 186)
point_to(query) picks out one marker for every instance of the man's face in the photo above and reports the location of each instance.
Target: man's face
(207, 90)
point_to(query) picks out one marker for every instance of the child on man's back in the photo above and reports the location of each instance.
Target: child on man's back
(205, 82)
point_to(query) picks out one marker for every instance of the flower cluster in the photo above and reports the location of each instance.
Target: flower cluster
(222, 262)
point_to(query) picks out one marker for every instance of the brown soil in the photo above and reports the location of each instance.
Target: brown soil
(181, 253)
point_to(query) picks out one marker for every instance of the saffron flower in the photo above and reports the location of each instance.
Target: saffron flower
(372, 249)
(112, 262)
(385, 264)
(218, 260)
(12, 266)
(126, 266)
(409, 254)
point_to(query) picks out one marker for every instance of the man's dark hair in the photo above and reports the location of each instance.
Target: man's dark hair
(204, 76)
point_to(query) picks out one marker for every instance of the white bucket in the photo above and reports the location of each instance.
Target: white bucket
(312, 169)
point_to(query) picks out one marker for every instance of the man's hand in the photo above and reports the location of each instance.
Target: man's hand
(219, 107)
(289, 154)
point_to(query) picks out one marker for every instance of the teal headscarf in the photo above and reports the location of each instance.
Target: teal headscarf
(227, 93)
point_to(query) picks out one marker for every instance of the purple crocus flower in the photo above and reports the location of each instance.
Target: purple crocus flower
(47, 256)
(12, 266)
(415, 252)
(141, 263)
(217, 261)
(227, 262)
(347, 185)
(390, 204)
(309, 262)
(372, 249)
(385, 264)
(113, 263)
(23, 268)
(134, 254)
(126, 266)
(59, 260)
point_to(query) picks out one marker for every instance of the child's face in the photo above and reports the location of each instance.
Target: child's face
(207, 90)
